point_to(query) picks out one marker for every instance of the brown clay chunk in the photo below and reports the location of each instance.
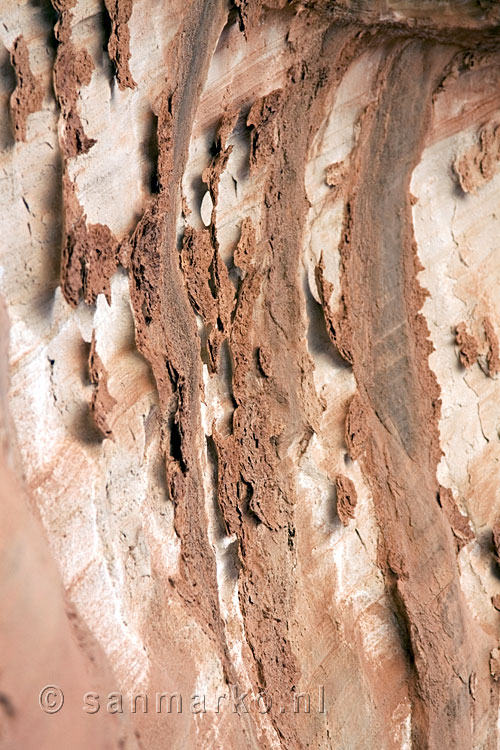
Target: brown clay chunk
(120, 12)
(28, 95)
(347, 498)
(467, 344)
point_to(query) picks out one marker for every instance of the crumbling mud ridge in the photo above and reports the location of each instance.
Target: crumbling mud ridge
(250, 394)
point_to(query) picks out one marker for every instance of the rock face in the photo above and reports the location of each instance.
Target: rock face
(250, 419)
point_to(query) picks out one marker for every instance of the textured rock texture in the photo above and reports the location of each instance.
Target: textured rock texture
(250, 405)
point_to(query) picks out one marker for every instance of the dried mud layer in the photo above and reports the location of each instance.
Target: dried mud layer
(250, 395)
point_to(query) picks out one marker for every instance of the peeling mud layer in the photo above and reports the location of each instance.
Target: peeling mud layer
(250, 394)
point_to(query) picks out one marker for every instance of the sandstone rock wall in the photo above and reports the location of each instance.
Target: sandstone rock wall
(250, 422)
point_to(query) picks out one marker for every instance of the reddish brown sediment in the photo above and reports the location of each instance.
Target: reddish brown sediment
(120, 12)
(467, 346)
(90, 252)
(335, 177)
(206, 275)
(357, 425)
(478, 164)
(263, 120)
(493, 354)
(166, 332)
(27, 97)
(347, 498)
(337, 326)
(197, 259)
(211, 174)
(210, 290)
(254, 491)
(249, 12)
(73, 69)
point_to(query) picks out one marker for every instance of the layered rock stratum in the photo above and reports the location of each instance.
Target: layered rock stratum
(250, 405)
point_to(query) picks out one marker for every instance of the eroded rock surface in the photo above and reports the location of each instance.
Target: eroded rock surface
(251, 265)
